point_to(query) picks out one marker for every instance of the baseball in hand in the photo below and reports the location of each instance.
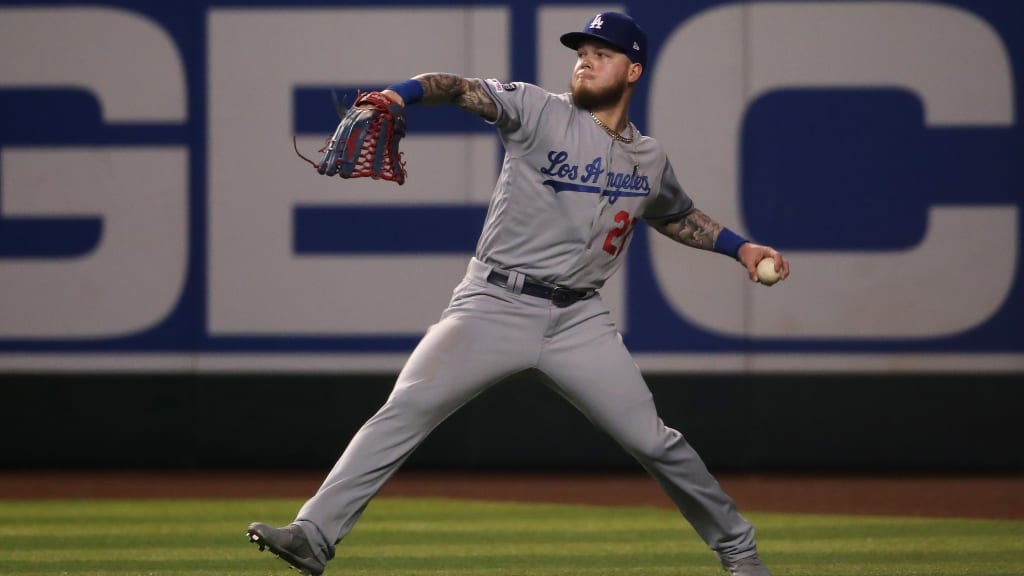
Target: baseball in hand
(766, 273)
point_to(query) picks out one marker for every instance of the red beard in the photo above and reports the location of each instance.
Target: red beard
(597, 99)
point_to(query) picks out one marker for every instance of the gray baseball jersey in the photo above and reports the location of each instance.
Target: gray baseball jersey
(568, 195)
(562, 212)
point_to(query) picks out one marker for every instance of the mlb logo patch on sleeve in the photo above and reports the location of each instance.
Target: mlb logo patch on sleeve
(500, 86)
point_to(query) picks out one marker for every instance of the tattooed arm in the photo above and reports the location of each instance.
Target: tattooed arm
(440, 88)
(698, 230)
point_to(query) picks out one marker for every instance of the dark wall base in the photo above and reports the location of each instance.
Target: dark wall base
(842, 423)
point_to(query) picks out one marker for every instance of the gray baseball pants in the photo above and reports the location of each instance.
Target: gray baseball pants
(487, 333)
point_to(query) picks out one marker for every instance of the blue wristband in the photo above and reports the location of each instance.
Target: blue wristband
(729, 242)
(410, 90)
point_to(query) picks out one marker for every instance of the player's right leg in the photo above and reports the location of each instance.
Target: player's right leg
(483, 336)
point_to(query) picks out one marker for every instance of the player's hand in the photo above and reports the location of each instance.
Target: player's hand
(750, 254)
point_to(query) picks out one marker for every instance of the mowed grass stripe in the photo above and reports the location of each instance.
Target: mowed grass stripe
(437, 537)
(408, 550)
(442, 544)
(377, 540)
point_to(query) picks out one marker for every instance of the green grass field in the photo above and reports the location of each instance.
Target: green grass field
(414, 537)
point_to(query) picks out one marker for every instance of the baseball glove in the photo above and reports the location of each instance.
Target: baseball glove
(365, 142)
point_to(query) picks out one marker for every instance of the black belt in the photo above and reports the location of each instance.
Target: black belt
(558, 295)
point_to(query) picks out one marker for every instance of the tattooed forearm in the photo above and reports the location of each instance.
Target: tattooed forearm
(696, 229)
(439, 88)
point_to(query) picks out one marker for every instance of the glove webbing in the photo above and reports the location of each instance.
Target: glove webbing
(373, 160)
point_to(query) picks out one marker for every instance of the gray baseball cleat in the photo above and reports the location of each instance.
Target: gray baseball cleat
(288, 544)
(749, 566)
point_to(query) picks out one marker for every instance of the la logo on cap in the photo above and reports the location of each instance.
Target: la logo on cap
(597, 22)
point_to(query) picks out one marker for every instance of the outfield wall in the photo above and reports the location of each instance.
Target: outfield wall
(155, 217)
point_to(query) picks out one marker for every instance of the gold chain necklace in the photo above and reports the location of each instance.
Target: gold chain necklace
(613, 133)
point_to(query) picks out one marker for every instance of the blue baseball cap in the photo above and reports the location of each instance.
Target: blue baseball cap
(615, 28)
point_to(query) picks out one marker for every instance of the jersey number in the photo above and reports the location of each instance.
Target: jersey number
(624, 224)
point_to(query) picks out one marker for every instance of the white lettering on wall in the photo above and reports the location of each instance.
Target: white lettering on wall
(133, 277)
(724, 59)
(257, 58)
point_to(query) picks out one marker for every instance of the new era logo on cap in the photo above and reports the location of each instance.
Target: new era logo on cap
(615, 28)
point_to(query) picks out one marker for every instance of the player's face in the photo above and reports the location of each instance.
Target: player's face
(600, 77)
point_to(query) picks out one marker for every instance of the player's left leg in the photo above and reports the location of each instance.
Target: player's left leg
(591, 367)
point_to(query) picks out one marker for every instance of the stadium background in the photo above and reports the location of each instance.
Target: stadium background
(173, 278)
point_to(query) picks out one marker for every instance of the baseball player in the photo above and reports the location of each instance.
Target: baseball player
(577, 178)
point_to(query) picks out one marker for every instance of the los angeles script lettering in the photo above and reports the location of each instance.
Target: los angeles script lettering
(559, 167)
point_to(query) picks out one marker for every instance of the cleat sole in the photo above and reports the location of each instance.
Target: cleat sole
(255, 539)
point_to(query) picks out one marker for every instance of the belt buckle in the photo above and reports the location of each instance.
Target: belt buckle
(564, 297)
